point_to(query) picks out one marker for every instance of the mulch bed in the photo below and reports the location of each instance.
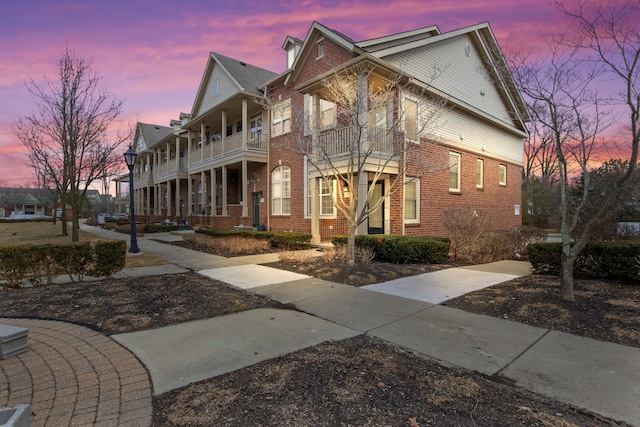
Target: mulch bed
(359, 381)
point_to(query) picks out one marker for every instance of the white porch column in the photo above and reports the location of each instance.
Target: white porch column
(178, 196)
(225, 211)
(363, 186)
(245, 190)
(213, 192)
(315, 212)
(189, 145)
(203, 139)
(177, 153)
(224, 130)
(245, 126)
(169, 210)
(203, 184)
(363, 110)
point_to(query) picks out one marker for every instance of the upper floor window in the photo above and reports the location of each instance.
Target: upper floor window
(502, 174)
(479, 173)
(327, 112)
(216, 88)
(281, 122)
(255, 126)
(412, 200)
(281, 191)
(454, 172)
(320, 47)
(411, 119)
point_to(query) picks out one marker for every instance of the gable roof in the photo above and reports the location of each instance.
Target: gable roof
(246, 77)
(150, 134)
(490, 51)
(316, 29)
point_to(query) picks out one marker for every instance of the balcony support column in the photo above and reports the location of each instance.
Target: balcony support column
(169, 196)
(245, 185)
(225, 211)
(244, 126)
(213, 192)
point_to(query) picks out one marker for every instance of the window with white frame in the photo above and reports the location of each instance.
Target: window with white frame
(326, 109)
(320, 47)
(255, 126)
(281, 122)
(479, 173)
(327, 190)
(454, 172)
(412, 200)
(216, 88)
(502, 180)
(281, 191)
(411, 119)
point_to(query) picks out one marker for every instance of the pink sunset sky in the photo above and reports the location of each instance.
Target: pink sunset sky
(152, 54)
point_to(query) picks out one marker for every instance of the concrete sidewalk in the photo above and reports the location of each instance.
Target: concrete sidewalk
(603, 378)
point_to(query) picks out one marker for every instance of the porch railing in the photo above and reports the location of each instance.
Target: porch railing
(344, 141)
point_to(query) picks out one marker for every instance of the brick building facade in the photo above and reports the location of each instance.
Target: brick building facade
(236, 159)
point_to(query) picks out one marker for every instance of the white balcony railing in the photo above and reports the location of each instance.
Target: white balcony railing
(343, 142)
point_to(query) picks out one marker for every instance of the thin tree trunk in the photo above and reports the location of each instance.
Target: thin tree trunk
(566, 274)
(351, 244)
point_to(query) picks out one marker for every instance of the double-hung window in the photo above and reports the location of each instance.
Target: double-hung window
(255, 126)
(327, 190)
(454, 172)
(281, 121)
(411, 119)
(479, 173)
(412, 200)
(502, 180)
(281, 191)
(327, 113)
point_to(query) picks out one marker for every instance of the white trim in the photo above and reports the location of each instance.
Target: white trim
(501, 181)
(480, 163)
(456, 189)
(415, 220)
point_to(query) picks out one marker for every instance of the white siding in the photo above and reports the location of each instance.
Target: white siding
(458, 127)
(226, 88)
(463, 76)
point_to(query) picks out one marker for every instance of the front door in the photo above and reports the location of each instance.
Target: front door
(255, 208)
(376, 219)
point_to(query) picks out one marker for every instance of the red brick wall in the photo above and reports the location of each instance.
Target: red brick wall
(493, 199)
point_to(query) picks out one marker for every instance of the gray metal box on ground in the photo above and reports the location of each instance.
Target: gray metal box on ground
(13, 340)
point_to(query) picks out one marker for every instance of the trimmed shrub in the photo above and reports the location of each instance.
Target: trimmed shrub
(15, 261)
(110, 257)
(38, 263)
(280, 240)
(158, 228)
(401, 249)
(616, 260)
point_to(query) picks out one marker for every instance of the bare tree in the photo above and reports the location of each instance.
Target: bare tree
(561, 96)
(72, 137)
(374, 139)
(558, 90)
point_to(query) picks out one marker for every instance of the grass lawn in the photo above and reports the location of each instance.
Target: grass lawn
(16, 233)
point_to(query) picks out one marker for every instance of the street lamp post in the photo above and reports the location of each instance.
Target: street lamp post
(130, 159)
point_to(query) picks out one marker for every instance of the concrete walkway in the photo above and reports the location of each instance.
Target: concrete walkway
(601, 377)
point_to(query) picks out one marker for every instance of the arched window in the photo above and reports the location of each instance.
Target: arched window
(281, 191)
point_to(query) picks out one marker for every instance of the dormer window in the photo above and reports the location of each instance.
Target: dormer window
(291, 55)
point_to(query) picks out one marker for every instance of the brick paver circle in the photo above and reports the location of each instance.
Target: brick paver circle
(73, 375)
